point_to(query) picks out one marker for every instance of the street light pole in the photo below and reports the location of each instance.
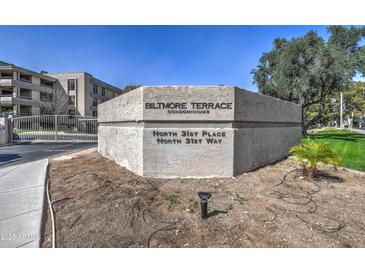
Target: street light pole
(341, 111)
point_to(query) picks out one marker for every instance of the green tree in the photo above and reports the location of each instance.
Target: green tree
(310, 70)
(354, 100)
(130, 87)
(353, 104)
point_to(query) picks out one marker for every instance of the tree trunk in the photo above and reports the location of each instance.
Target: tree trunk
(304, 131)
(319, 116)
(311, 122)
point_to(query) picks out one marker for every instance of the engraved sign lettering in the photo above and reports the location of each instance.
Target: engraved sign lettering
(188, 108)
(189, 137)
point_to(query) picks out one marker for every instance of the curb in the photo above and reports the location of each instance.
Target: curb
(40, 229)
(362, 173)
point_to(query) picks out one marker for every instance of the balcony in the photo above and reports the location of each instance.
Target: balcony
(8, 100)
(6, 82)
(25, 78)
(45, 83)
(25, 111)
(24, 85)
(6, 92)
(25, 93)
(26, 97)
(6, 74)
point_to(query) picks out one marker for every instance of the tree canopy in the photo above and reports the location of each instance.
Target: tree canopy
(354, 100)
(130, 87)
(309, 70)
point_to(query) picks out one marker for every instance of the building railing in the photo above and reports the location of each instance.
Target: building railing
(25, 113)
(54, 128)
(46, 85)
(26, 97)
(25, 80)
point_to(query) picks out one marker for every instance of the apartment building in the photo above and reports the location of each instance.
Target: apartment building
(22, 91)
(85, 92)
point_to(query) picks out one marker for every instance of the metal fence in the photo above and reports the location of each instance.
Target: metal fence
(55, 128)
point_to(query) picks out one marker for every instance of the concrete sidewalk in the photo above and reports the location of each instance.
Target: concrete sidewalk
(22, 189)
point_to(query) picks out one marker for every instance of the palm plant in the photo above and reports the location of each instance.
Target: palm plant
(311, 153)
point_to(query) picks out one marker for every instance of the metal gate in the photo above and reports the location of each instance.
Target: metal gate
(55, 128)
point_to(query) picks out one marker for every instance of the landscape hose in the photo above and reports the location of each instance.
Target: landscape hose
(52, 216)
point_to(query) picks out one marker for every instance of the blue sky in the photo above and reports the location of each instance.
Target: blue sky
(147, 55)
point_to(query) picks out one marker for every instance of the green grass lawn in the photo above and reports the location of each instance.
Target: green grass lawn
(349, 145)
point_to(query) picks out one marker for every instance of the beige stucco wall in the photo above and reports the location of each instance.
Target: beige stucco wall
(80, 87)
(127, 153)
(253, 131)
(84, 94)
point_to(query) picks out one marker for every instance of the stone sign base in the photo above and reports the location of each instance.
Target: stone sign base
(160, 132)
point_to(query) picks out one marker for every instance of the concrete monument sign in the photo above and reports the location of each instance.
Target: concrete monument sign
(196, 131)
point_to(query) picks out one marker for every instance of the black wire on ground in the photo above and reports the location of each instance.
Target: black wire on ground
(309, 196)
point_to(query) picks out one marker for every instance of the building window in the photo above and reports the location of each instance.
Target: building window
(95, 113)
(95, 89)
(113, 94)
(71, 100)
(71, 84)
(95, 102)
(102, 91)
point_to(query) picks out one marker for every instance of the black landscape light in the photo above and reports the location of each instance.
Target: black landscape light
(204, 197)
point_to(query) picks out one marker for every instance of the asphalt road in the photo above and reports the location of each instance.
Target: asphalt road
(24, 153)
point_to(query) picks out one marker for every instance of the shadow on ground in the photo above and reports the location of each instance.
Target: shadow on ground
(7, 158)
(345, 136)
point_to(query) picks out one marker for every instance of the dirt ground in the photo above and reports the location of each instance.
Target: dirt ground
(99, 204)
